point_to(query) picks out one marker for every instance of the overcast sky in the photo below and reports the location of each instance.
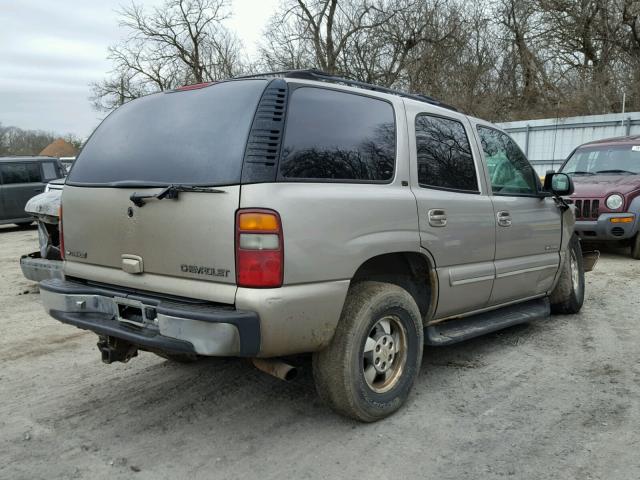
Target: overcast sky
(50, 50)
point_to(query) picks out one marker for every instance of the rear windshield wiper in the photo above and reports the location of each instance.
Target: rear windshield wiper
(615, 170)
(578, 172)
(139, 199)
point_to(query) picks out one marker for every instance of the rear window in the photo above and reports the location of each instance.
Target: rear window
(337, 136)
(193, 137)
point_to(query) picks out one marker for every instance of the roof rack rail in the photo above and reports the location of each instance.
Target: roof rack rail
(319, 75)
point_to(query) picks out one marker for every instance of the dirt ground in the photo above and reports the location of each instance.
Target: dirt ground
(555, 399)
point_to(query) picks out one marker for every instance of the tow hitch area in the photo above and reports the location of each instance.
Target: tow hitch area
(133, 312)
(116, 350)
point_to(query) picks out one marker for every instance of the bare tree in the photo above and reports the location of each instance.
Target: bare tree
(502, 60)
(318, 32)
(18, 141)
(631, 23)
(408, 32)
(182, 42)
(475, 83)
(629, 41)
(584, 35)
(524, 67)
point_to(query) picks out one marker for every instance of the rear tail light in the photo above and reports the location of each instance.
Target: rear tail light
(61, 234)
(259, 249)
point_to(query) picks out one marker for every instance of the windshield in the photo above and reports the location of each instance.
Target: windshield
(618, 160)
(191, 137)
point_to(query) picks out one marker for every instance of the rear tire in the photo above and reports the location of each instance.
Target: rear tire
(369, 368)
(635, 247)
(568, 296)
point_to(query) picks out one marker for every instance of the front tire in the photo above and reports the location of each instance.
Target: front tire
(568, 296)
(369, 368)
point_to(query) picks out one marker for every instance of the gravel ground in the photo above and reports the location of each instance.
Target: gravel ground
(556, 399)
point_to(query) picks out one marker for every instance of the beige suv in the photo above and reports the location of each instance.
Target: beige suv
(302, 213)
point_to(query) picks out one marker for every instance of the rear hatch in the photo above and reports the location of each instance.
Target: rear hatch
(182, 244)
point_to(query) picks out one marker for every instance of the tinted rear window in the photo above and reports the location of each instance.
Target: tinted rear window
(189, 137)
(338, 136)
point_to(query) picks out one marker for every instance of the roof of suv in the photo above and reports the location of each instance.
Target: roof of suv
(26, 158)
(323, 77)
(630, 140)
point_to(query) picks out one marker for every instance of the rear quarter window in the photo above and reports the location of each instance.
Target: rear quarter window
(338, 136)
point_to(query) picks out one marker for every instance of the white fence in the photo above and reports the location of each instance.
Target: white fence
(548, 142)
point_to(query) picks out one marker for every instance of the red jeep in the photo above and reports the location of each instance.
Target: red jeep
(606, 174)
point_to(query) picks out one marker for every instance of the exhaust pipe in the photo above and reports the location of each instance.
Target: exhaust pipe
(275, 367)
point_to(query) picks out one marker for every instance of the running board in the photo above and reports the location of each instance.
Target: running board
(458, 330)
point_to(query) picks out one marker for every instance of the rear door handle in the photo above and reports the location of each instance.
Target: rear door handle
(504, 219)
(437, 217)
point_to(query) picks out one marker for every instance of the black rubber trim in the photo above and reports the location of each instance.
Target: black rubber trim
(247, 323)
(103, 324)
(262, 152)
(458, 330)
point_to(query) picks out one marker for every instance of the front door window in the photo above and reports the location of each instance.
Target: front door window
(509, 170)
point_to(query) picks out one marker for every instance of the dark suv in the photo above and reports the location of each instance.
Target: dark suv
(20, 179)
(606, 174)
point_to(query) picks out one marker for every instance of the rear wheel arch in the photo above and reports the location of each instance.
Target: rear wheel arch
(413, 271)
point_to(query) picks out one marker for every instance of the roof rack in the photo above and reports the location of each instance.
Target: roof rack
(319, 75)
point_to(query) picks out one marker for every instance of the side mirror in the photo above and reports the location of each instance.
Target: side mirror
(560, 184)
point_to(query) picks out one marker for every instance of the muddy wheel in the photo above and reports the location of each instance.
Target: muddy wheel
(568, 296)
(635, 247)
(369, 368)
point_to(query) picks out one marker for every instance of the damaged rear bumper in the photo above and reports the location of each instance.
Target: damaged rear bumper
(37, 269)
(153, 323)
